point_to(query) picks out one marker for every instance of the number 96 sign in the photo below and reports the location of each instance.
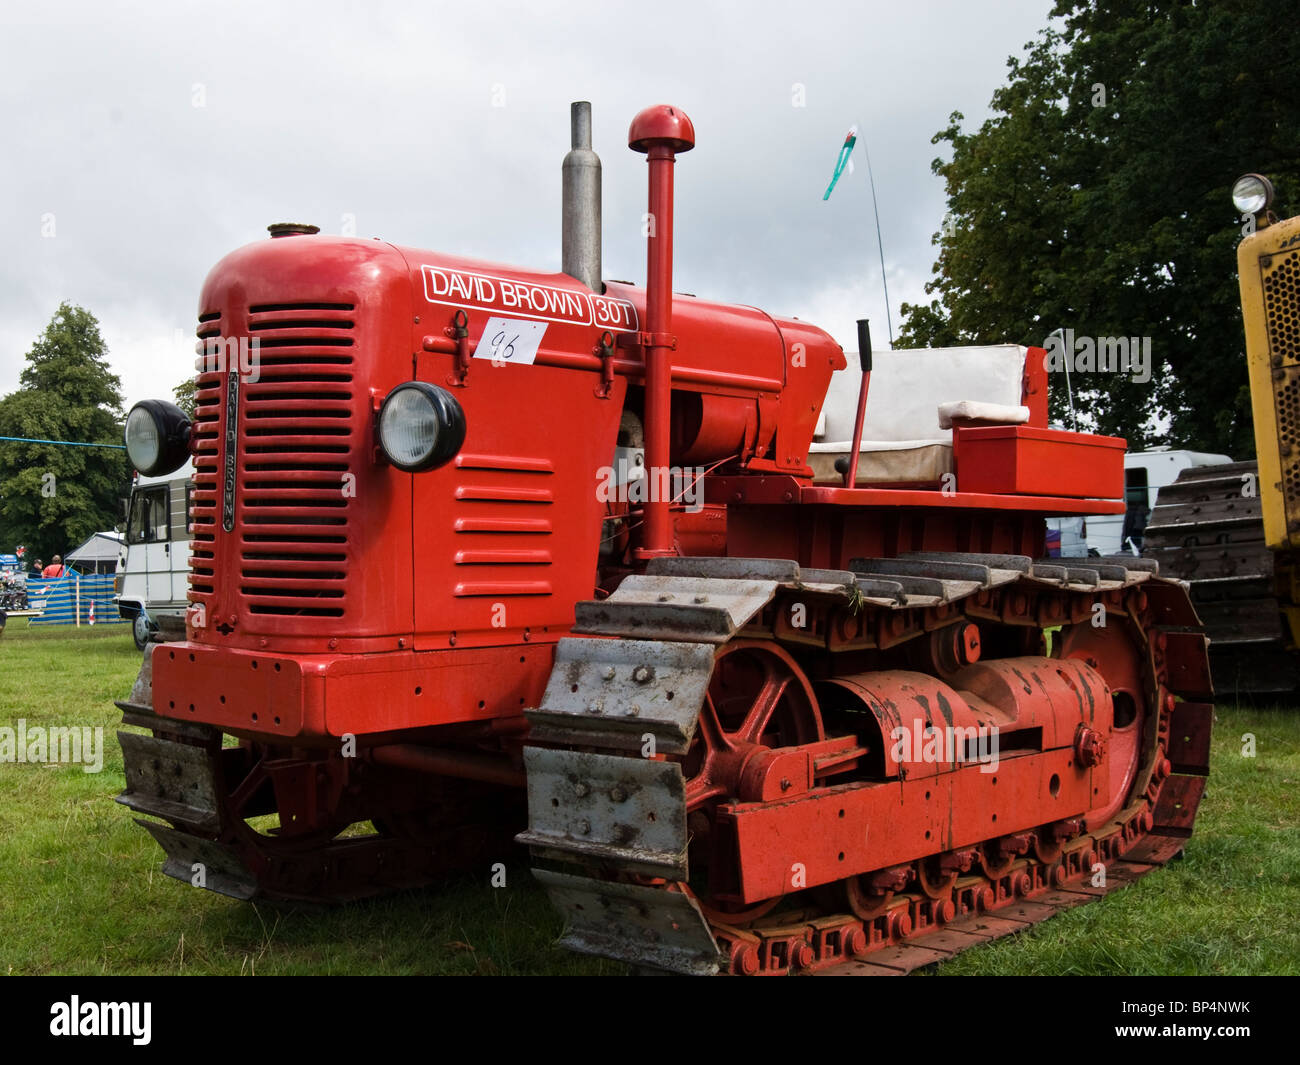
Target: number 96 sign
(510, 340)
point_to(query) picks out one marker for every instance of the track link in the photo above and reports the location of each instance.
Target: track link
(610, 772)
(1208, 529)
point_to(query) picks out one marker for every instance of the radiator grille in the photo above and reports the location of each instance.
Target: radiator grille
(295, 446)
(1281, 288)
(204, 434)
(1281, 277)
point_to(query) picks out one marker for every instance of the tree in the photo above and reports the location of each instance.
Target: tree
(52, 497)
(1097, 199)
(185, 395)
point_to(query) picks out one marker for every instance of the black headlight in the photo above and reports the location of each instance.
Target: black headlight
(421, 426)
(157, 437)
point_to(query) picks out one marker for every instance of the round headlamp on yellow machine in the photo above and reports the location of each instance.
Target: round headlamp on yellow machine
(1252, 193)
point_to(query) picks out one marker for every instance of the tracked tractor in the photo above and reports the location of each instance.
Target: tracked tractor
(744, 644)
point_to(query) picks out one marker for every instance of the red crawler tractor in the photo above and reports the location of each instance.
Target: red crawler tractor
(468, 537)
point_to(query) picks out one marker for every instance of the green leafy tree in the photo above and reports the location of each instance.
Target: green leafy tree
(185, 395)
(1097, 199)
(53, 497)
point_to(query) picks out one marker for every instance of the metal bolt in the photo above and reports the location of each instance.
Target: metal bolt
(785, 784)
(580, 789)
(617, 794)
(584, 827)
(665, 598)
(701, 598)
(642, 674)
(609, 673)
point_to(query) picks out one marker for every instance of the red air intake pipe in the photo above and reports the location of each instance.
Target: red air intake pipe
(660, 132)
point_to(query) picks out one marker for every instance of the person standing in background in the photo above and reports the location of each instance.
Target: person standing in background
(55, 568)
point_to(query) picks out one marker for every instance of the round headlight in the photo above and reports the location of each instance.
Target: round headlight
(421, 426)
(157, 437)
(1252, 193)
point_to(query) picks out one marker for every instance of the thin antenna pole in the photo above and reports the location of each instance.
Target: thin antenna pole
(1069, 392)
(880, 243)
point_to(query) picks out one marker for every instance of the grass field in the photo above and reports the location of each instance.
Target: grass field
(81, 891)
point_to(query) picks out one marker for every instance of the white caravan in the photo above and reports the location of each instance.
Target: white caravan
(154, 566)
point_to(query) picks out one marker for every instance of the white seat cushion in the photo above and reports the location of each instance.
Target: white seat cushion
(904, 438)
(971, 410)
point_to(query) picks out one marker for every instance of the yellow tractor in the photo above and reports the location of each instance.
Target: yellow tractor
(1233, 531)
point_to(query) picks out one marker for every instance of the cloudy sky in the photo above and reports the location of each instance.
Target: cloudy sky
(142, 142)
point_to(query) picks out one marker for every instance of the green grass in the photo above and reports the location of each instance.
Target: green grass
(81, 891)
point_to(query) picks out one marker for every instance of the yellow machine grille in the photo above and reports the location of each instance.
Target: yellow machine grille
(1281, 277)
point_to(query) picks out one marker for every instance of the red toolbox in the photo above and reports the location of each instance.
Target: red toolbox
(1023, 460)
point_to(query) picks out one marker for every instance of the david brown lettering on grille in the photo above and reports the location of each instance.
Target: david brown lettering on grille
(102, 1018)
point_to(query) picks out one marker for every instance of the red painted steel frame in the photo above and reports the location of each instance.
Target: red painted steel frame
(300, 696)
(830, 835)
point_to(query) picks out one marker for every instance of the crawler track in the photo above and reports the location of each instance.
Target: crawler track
(1208, 529)
(668, 735)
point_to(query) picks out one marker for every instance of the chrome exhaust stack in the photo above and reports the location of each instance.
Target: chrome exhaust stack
(580, 239)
